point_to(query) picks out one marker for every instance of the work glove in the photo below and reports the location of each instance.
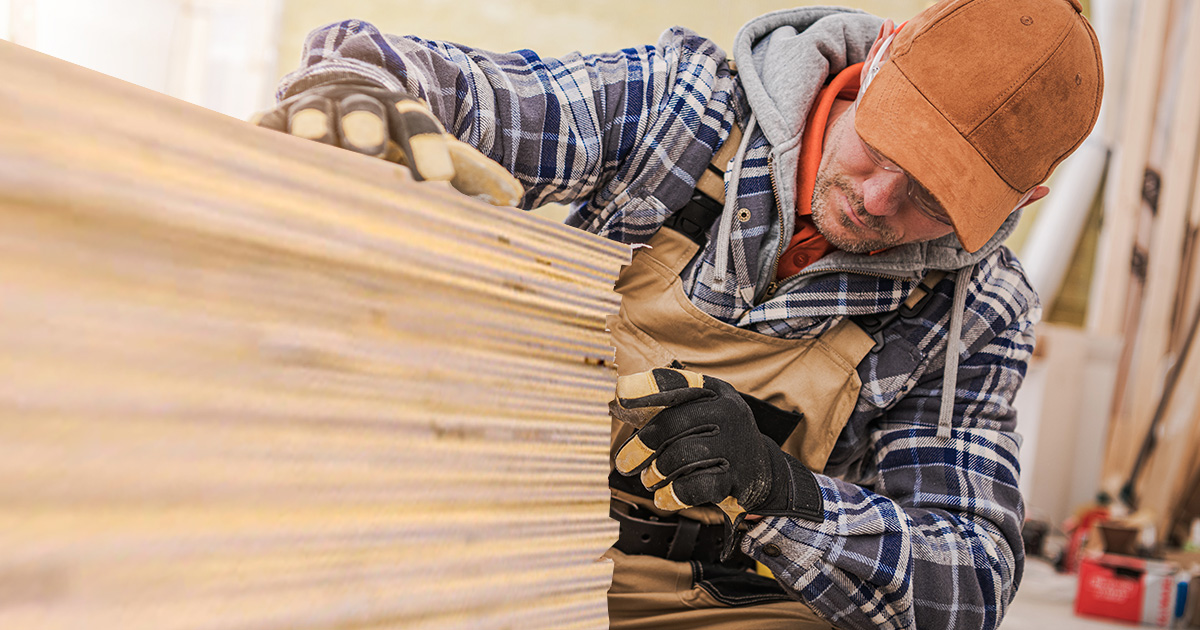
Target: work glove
(394, 126)
(697, 443)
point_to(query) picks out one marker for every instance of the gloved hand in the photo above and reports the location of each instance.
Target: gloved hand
(697, 443)
(393, 126)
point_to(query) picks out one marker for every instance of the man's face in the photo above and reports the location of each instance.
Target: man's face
(857, 205)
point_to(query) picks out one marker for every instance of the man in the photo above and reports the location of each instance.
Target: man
(793, 446)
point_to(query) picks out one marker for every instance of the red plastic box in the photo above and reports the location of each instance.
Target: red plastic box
(1127, 588)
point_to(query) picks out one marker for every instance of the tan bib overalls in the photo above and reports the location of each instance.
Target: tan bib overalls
(658, 325)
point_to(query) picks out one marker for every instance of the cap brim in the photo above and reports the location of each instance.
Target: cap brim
(901, 124)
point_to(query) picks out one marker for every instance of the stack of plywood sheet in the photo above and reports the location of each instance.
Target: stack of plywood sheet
(249, 381)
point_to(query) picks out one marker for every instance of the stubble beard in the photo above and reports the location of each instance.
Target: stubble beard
(851, 237)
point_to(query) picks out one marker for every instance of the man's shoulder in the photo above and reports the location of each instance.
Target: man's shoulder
(1001, 288)
(1000, 301)
(999, 297)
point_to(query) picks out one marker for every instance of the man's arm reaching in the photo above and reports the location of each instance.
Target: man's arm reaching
(579, 128)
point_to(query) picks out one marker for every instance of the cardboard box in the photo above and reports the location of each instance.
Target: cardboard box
(1127, 588)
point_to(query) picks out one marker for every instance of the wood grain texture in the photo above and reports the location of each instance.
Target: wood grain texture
(249, 381)
(1162, 487)
(1189, 282)
(1110, 282)
(1148, 333)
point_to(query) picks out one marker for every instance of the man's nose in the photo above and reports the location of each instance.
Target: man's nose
(885, 193)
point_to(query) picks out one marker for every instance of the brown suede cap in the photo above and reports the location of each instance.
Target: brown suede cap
(981, 99)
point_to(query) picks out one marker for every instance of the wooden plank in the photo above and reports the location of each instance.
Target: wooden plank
(1189, 283)
(1126, 429)
(1110, 283)
(1062, 452)
(1162, 486)
(1187, 509)
(1173, 160)
(253, 381)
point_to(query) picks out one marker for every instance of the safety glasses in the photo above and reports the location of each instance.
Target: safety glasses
(920, 197)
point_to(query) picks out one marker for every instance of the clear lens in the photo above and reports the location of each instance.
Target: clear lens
(921, 198)
(925, 202)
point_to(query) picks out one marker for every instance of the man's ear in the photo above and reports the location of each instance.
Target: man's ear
(1038, 193)
(886, 29)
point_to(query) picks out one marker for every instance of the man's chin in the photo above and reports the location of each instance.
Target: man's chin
(857, 246)
(843, 234)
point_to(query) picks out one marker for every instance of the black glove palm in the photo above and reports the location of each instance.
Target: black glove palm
(698, 444)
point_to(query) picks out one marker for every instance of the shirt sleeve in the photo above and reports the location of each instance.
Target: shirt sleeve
(935, 541)
(580, 128)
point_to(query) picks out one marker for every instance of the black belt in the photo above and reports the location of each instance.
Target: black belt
(674, 538)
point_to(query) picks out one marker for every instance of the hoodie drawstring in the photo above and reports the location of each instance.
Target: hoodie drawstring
(725, 229)
(962, 282)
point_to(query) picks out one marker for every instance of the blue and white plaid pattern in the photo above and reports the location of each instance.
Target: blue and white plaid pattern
(919, 531)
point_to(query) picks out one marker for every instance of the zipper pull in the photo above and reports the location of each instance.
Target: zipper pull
(771, 289)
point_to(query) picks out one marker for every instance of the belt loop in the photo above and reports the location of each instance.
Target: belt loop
(684, 541)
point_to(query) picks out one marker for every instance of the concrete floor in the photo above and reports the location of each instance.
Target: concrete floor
(1046, 600)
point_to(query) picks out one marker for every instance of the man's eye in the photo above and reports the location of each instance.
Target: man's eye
(879, 159)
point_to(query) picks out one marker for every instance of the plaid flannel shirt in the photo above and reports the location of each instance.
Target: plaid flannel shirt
(918, 530)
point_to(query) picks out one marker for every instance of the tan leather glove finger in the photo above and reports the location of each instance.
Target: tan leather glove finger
(396, 127)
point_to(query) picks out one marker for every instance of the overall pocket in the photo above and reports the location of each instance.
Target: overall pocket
(736, 587)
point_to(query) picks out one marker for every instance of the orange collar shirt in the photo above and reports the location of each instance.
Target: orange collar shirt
(808, 245)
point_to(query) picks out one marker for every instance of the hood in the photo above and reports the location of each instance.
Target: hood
(912, 260)
(784, 58)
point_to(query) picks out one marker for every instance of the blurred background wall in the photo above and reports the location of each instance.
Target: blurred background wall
(551, 27)
(221, 54)
(228, 55)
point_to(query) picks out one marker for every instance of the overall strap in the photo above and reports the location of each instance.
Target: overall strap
(873, 323)
(708, 200)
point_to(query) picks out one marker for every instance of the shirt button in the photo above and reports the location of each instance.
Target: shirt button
(773, 550)
(800, 260)
(744, 215)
